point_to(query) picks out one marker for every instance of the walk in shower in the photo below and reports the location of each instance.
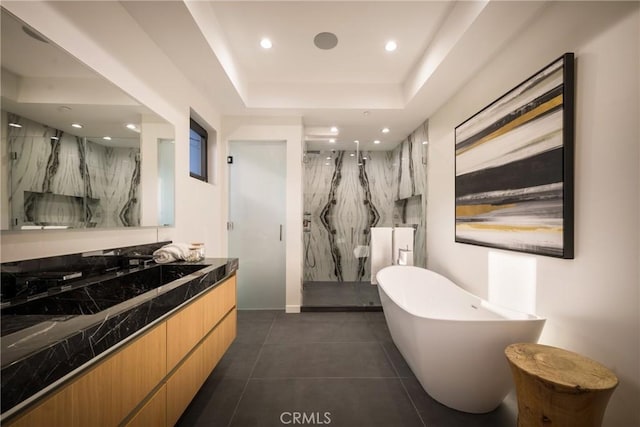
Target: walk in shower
(345, 194)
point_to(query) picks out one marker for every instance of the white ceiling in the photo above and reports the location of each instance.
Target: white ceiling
(43, 83)
(362, 30)
(357, 86)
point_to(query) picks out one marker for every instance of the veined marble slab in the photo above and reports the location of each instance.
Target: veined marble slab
(345, 199)
(410, 164)
(48, 161)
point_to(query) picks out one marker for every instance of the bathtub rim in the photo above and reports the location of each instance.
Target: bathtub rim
(506, 314)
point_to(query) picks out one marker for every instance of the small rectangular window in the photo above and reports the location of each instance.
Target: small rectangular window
(198, 152)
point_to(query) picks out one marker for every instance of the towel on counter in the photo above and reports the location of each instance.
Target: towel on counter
(172, 252)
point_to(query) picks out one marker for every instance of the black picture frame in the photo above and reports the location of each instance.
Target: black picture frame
(514, 173)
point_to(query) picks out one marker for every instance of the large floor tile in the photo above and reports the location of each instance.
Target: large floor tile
(435, 414)
(323, 360)
(381, 331)
(320, 331)
(341, 316)
(238, 362)
(342, 363)
(258, 315)
(252, 332)
(400, 365)
(337, 402)
(214, 404)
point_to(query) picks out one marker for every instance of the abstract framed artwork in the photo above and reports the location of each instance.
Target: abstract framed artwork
(514, 167)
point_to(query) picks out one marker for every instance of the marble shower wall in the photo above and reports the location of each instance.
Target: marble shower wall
(410, 164)
(343, 200)
(410, 183)
(58, 179)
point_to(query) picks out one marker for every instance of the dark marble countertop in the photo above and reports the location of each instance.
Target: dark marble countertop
(39, 351)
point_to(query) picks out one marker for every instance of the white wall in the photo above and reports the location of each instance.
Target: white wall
(100, 34)
(277, 129)
(591, 303)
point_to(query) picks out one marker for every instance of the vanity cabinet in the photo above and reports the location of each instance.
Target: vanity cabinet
(153, 413)
(152, 379)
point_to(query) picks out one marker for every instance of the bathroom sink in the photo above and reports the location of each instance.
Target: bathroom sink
(98, 296)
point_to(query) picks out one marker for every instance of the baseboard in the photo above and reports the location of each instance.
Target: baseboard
(292, 309)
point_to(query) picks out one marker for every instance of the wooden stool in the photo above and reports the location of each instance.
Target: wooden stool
(556, 387)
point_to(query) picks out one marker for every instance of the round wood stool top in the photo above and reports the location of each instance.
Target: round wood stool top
(561, 367)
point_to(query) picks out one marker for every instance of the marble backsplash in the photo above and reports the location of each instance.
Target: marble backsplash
(61, 179)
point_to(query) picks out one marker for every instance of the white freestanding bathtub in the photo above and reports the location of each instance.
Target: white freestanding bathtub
(452, 340)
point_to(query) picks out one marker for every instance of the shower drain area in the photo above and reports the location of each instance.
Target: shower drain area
(340, 296)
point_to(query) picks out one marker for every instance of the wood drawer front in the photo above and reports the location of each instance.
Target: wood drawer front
(153, 413)
(107, 393)
(140, 367)
(183, 385)
(218, 302)
(218, 341)
(54, 411)
(184, 330)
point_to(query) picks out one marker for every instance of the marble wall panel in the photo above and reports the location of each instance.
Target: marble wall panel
(114, 177)
(409, 212)
(66, 169)
(410, 164)
(343, 198)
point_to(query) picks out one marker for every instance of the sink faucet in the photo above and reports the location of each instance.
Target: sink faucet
(143, 260)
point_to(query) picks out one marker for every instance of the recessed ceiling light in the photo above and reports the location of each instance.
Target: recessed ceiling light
(377, 141)
(329, 158)
(390, 46)
(106, 138)
(76, 125)
(334, 129)
(15, 125)
(352, 154)
(425, 142)
(385, 130)
(356, 141)
(327, 164)
(266, 43)
(364, 158)
(332, 140)
(134, 127)
(54, 138)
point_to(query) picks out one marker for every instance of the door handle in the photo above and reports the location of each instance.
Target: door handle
(281, 232)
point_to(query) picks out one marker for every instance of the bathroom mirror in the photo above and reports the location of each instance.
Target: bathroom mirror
(76, 150)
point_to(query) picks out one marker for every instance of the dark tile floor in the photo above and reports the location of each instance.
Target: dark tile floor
(340, 295)
(338, 369)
